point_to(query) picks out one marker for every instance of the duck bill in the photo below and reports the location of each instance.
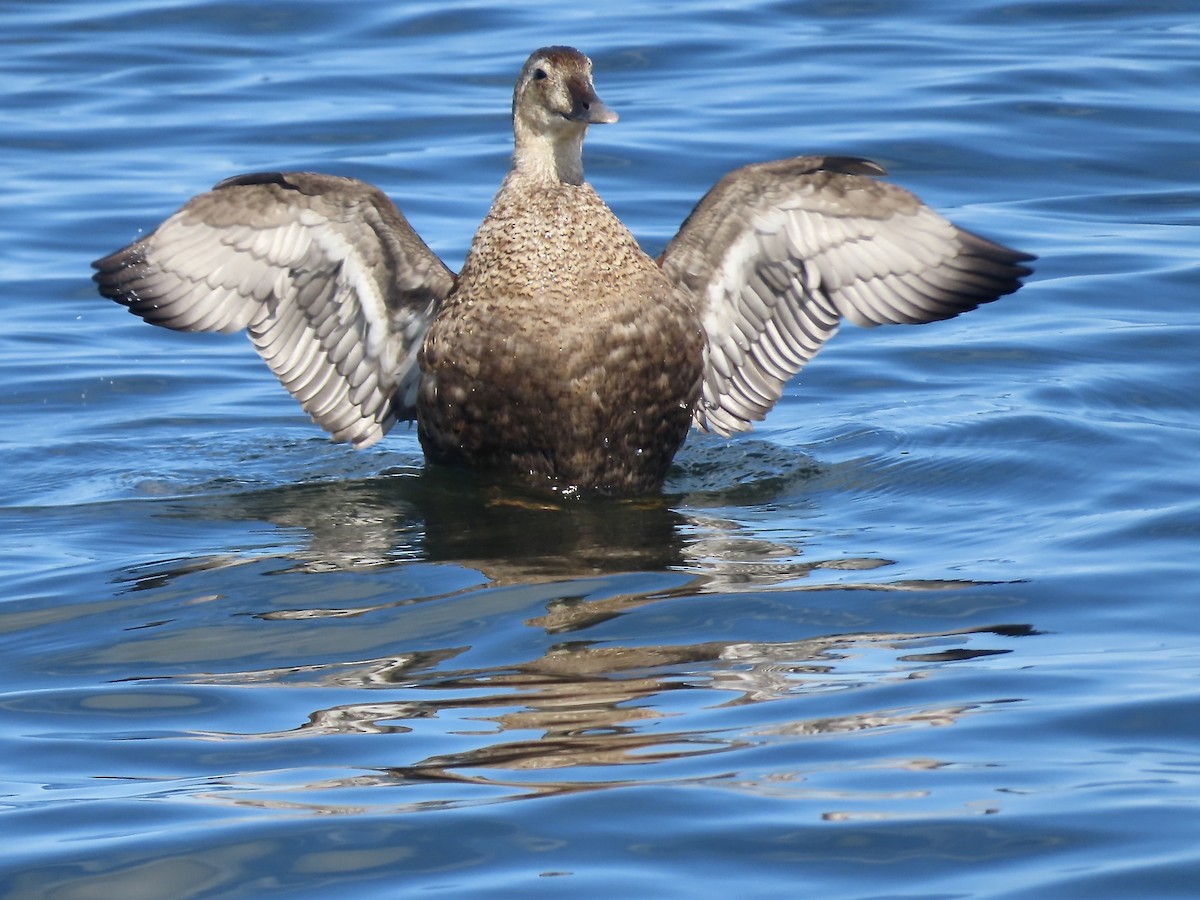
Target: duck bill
(587, 107)
(598, 113)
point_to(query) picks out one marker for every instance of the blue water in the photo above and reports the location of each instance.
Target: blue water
(929, 631)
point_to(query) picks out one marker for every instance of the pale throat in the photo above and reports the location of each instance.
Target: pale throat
(549, 157)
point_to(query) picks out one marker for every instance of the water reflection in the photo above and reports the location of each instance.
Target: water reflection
(576, 688)
(590, 709)
(439, 516)
(512, 537)
(468, 625)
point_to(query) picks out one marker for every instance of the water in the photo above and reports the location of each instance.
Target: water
(927, 632)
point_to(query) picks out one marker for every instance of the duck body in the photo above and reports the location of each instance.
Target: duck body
(564, 353)
(561, 355)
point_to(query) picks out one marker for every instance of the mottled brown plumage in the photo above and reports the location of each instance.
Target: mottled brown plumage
(561, 354)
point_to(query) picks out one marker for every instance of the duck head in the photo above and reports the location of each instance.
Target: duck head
(554, 102)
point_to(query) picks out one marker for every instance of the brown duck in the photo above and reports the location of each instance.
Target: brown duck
(560, 354)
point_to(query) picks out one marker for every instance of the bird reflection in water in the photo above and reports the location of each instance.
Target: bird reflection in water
(546, 691)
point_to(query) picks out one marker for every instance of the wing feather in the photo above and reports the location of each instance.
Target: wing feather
(332, 284)
(779, 253)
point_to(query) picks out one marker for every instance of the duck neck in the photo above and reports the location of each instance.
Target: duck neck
(548, 158)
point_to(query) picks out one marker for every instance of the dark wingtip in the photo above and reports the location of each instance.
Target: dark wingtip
(112, 275)
(981, 246)
(111, 263)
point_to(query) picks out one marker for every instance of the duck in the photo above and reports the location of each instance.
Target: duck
(561, 355)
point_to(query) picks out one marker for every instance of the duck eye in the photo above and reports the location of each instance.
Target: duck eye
(539, 74)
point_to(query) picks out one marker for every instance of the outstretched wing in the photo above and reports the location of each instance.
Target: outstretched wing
(332, 284)
(778, 253)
